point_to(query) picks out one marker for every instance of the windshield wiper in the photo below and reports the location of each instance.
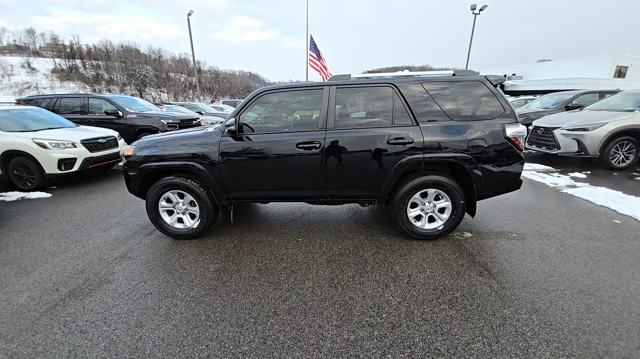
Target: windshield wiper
(48, 128)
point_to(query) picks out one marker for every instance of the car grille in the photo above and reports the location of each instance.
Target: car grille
(543, 137)
(100, 144)
(192, 122)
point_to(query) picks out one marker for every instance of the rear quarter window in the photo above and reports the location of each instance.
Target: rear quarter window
(465, 100)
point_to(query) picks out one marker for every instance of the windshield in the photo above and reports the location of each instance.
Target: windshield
(178, 109)
(134, 104)
(548, 102)
(622, 102)
(223, 108)
(31, 119)
(206, 108)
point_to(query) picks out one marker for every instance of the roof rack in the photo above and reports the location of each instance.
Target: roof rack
(404, 74)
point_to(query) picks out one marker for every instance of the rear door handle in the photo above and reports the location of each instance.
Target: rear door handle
(309, 146)
(400, 140)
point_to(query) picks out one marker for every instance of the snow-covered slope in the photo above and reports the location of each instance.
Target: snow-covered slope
(21, 76)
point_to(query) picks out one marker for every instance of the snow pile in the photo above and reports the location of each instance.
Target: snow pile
(16, 196)
(601, 196)
(538, 167)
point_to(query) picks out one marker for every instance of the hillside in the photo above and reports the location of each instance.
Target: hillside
(32, 63)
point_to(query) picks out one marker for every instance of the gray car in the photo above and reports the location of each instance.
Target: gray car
(609, 129)
(559, 102)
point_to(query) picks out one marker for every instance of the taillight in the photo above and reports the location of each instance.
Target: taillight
(516, 134)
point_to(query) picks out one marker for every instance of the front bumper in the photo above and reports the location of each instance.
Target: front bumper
(570, 143)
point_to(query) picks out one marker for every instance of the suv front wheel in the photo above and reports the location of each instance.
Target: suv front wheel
(428, 207)
(180, 208)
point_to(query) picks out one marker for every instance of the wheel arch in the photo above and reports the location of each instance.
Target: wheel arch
(632, 131)
(150, 173)
(8, 155)
(458, 169)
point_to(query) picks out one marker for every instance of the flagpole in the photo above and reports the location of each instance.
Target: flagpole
(306, 50)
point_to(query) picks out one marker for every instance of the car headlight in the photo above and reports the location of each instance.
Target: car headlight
(53, 144)
(119, 137)
(584, 128)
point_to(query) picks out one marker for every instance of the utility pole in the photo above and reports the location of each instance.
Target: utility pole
(193, 54)
(473, 29)
(306, 50)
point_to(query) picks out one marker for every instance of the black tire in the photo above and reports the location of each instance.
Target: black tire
(208, 211)
(25, 174)
(400, 203)
(608, 157)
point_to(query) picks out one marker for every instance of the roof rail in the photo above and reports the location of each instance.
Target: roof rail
(404, 74)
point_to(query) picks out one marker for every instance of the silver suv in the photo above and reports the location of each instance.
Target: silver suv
(609, 129)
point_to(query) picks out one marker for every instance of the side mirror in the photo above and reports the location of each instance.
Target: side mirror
(114, 113)
(231, 130)
(573, 106)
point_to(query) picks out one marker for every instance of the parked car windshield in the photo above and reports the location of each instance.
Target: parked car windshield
(622, 102)
(548, 102)
(31, 119)
(206, 108)
(178, 109)
(134, 104)
(222, 108)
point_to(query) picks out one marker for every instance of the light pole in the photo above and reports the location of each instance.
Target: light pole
(473, 29)
(193, 54)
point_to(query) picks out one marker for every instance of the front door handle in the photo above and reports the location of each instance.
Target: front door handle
(400, 140)
(309, 146)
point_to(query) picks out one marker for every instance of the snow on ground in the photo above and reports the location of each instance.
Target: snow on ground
(17, 80)
(537, 167)
(601, 196)
(16, 196)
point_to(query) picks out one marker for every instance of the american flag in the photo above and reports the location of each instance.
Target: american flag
(316, 61)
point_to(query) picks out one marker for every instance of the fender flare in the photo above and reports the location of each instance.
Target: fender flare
(188, 167)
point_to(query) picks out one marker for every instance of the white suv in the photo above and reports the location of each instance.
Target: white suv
(36, 144)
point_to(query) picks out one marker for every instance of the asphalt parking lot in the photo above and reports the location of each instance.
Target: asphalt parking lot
(538, 273)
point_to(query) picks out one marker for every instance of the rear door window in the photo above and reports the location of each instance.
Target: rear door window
(71, 106)
(465, 100)
(365, 107)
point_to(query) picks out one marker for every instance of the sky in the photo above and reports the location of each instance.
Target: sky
(268, 37)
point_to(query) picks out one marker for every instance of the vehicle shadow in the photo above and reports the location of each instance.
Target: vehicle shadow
(83, 178)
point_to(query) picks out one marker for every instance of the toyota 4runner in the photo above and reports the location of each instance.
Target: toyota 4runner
(427, 145)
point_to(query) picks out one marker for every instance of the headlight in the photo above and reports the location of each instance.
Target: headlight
(584, 128)
(53, 144)
(128, 151)
(119, 137)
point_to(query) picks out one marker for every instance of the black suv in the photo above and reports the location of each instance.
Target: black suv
(132, 117)
(429, 147)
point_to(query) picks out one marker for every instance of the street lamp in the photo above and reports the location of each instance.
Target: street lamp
(193, 54)
(475, 15)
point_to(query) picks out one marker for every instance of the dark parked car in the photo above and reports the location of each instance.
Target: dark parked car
(429, 147)
(559, 102)
(201, 109)
(132, 117)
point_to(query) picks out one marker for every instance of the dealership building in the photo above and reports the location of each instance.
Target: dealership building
(593, 73)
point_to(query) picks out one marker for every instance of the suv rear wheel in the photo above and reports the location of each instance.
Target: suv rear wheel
(621, 153)
(428, 207)
(25, 174)
(180, 208)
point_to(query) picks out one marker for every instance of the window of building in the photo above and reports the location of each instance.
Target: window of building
(621, 72)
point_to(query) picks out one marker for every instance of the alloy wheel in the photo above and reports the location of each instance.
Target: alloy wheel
(622, 153)
(179, 209)
(23, 175)
(429, 209)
